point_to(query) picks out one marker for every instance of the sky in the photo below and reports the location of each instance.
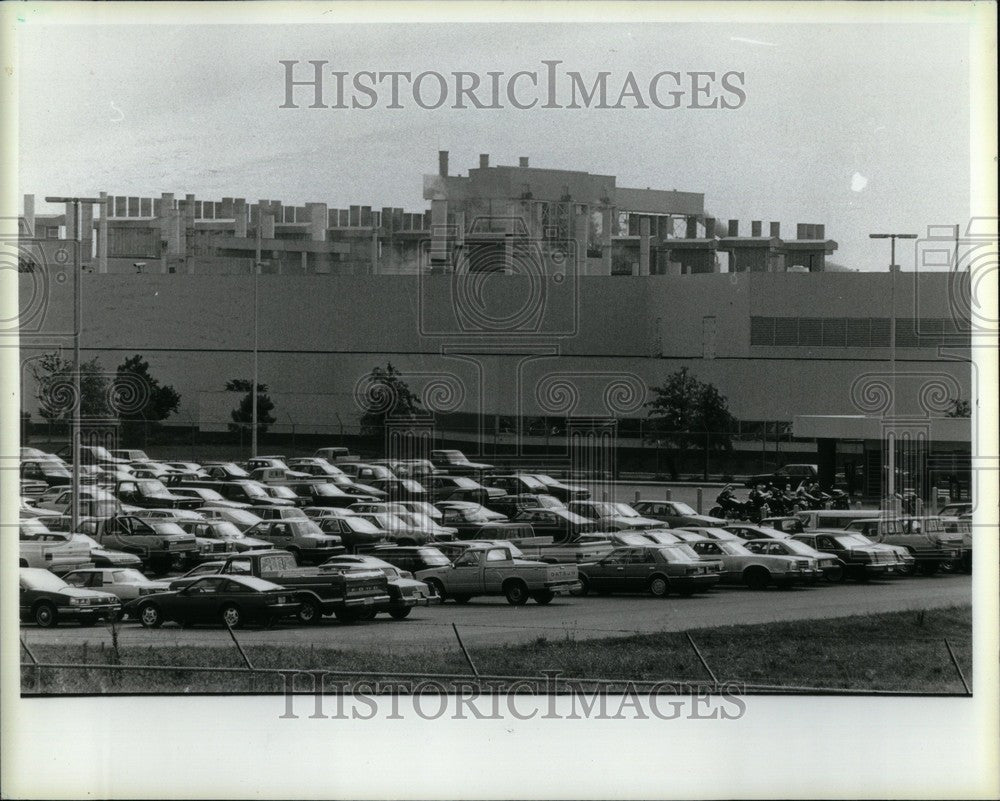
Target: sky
(861, 127)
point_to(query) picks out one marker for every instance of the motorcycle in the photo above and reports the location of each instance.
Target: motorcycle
(729, 508)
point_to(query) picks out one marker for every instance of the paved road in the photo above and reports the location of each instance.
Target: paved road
(492, 622)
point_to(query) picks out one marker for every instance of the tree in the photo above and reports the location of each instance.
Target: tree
(243, 414)
(140, 396)
(386, 395)
(959, 408)
(686, 412)
(54, 390)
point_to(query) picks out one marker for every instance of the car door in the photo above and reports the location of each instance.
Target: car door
(199, 601)
(496, 567)
(610, 572)
(639, 567)
(466, 577)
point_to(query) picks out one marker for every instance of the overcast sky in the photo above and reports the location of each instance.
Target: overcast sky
(860, 127)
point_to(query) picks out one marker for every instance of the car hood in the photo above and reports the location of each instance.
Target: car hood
(705, 520)
(81, 592)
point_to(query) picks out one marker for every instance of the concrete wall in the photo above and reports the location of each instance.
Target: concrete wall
(320, 334)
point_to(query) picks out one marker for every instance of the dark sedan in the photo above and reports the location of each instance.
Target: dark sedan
(656, 569)
(48, 600)
(227, 600)
(564, 492)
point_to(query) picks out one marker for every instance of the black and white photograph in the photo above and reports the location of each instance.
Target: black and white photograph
(499, 400)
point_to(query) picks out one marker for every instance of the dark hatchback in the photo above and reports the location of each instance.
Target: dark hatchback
(224, 600)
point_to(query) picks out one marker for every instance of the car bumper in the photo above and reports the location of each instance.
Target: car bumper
(700, 582)
(103, 612)
(409, 601)
(563, 587)
(367, 601)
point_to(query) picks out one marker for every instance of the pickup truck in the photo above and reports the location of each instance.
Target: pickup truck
(51, 550)
(455, 463)
(928, 548)
(159, 543)
(493, 570)
(348, 595)
(151, 493)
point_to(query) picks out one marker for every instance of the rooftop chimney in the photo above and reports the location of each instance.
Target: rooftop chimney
(710, 227)
(734, 228)
(821, 232)
(484, 160)
(523, 162)
(776, 230)
(755, 228)
(443, 163)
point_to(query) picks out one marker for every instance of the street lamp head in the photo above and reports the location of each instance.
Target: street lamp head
(879, 236)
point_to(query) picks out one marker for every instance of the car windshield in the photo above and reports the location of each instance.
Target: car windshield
(547, 481)
(433, 557)
(153, 487)
(208, 494)
(88, 541)
(255, 491)
(682, 508)
(33, 527)
(624, 510)
(226, 530)
(464, 483)
(603, 509)
(130, 576)
(632, 539)
(797, 547)
(733, 548)
(853, 540)
(307, 526)
(42, 580)
(362, 526)
(282, 492)
(166, 527)
(243, 516)
(327, 490)
(680, 549)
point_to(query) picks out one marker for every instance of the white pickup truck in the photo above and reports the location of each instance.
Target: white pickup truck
(51, 550)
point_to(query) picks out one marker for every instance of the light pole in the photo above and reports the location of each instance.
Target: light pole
(253, 384)
(891, 435)
(77, 203)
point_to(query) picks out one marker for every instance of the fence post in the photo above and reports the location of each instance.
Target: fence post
(36, 670)
(668, 494)
(246, 659)
(468, 656)
(638, 496)
(700, 502)
(934, 500)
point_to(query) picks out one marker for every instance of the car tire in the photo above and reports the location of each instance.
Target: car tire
(346, 615)
(929, 568)
(231, 616)
(756, 578)
(516, 592)
(438, 587)
(45, 615)
(584, 587)
(159, 565)
(461, 599)
(543, 597)
(835, 575)
(150, 616)
(87, 622)
(309, 613)
(659, 587)
(295, 554)
(400, 614)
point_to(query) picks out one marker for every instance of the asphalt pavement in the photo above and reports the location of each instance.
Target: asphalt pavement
(491, 621)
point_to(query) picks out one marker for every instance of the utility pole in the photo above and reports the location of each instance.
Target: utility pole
(891, 436)
(253, 384)
(77, 203)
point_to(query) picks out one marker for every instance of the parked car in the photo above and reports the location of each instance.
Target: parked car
(859, 557)
(48, 600)
(422, 507)
(400, 489)
(405, 592)
(455, 463)
(131, 455)
(675, 514)
(788, 524)
(559, 489)
(316, 468)
(493, 570)
(50, 550)
(225, 471)
(355, 532)
(208, 497)
(245, 491)
(223, 531)
(828, 565)
(513, 505)
(106, 557)
(474, 524)
(318, 493)
(48, 471)
(560, 524)
(126, 584)
(228, 600)
(305, 540)
(284, 493)
(365, 472)
(334, 455)
(241, 518)
(747, 531)
(160, 544)
(319, 592)
(515, 484)
(151, 493)
(691, 533)
(455, 549)
(756, 570)
(444, 487)
(929, 549)
(612, 516)
(469, 506)
(656, 569)
(789, 476)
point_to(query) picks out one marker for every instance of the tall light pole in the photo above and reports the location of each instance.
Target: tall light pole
(253, 383)
(77, 203)
(891, 436)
